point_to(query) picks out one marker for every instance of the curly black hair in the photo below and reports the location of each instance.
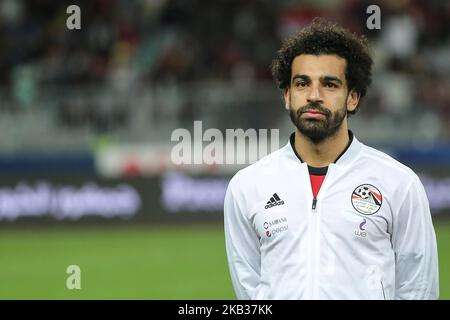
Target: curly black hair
(325, 37)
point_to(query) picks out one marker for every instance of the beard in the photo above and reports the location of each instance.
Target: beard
(318, 130)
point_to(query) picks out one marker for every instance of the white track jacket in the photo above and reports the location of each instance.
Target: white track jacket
(367, 235)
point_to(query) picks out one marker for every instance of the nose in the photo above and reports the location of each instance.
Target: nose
(314, 94)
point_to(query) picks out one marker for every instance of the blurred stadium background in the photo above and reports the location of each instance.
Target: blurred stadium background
(86, 118)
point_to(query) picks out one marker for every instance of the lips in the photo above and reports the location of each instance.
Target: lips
(313, 114)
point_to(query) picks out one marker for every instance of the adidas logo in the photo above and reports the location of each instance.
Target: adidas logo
(274, 201)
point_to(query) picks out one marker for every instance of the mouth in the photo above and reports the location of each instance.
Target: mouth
(313, 114)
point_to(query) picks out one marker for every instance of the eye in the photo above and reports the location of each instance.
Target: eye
(301, 84)
(330, 85)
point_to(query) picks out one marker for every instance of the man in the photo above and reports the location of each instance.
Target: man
(326, 217)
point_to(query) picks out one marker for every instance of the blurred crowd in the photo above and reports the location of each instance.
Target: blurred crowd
(123, 44)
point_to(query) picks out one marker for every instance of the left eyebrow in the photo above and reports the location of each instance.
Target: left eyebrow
(331, 78)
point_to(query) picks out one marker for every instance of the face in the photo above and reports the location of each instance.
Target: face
(318, 97)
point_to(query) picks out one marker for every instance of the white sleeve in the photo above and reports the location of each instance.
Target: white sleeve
(414, 244)
(242, 245)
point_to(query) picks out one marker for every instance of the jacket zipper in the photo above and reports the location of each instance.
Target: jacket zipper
(315, 250)
(382, 288)
(316, 242)
(314, 204)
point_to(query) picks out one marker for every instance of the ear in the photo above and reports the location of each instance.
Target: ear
(352, 100)
(286, 98)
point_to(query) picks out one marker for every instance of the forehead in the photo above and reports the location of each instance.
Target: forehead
(320, 65)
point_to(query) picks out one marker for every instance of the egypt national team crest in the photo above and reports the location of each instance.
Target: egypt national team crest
(367, 199)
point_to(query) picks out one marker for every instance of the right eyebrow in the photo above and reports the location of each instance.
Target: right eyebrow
(332, 78)
(301, 77)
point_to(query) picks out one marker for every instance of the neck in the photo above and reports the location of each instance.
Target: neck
(321, 154)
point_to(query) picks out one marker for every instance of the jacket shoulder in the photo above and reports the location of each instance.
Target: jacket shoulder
(257, 170)
(390, 166)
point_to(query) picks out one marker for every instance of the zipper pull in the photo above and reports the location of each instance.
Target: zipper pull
(314, 204)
